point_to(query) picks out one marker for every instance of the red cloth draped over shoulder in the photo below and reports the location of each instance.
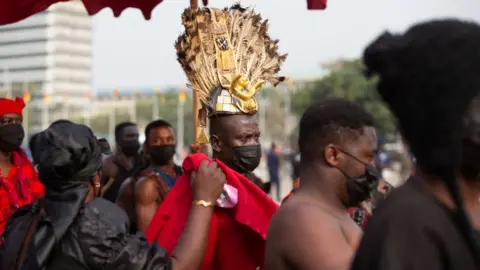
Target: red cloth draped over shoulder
(237, 236)
(12, 11)
(19, 188)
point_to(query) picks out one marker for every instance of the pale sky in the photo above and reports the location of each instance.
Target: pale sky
(132, 52)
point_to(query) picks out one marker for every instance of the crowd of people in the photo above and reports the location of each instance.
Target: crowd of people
(78, 205)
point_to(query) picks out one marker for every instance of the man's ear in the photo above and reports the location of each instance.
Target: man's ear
(332, 155)
(216, 143)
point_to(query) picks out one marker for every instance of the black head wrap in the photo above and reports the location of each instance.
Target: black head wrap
(428, 77)
(68, 155)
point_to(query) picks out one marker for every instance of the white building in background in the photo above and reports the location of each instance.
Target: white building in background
(49, 53)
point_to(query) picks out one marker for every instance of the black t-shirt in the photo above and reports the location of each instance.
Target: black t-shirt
(412, 230)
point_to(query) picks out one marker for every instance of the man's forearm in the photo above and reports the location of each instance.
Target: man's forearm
(190, 250)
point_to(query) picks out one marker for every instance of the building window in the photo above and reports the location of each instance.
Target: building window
(44, 40)
(27, 69)
(56, 52)
(20, 28)
(17, 56)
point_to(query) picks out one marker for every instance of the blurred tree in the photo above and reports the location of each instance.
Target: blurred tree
(168, 103)
(345, 79)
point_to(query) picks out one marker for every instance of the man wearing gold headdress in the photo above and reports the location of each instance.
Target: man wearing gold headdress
(228, 57)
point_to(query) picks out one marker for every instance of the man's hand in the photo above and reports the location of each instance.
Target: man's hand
(207, 182)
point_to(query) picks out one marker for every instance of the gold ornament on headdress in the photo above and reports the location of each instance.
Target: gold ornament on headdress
(227, 56)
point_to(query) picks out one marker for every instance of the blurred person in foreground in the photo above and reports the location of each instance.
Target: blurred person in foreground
(429, 78)
(140, 196)
(226, 73)
(124, 162)
(311, 230)
(73, 228)
(19, 184)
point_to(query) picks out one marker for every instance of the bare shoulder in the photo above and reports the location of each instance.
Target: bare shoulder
(146, 189)
(295, 214)
(109, 168)
(308, 237)
(125, 190)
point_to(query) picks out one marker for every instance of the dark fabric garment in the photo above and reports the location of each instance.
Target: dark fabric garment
(273, 167)
(68, 155)
(266, 187)
(112, 193)
(15, 232)
(166, 177)
(99, 239)
(412, 230)
(296, 166)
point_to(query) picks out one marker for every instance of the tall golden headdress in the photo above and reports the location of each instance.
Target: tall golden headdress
(227, 56)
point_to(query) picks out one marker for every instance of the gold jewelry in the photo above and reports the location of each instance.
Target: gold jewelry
(203, 203)
(227, 56)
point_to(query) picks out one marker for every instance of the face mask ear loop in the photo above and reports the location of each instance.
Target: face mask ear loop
(352, 156)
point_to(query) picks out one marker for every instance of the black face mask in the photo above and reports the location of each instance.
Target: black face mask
(161, 154)
(246, 158)
(359, 188)
(130, 148)
(11, 137)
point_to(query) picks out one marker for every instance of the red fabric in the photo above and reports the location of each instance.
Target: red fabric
(12, 11)
(19, 188)
(317, 4)
(237, 236)
(11, 106)
(351, 212)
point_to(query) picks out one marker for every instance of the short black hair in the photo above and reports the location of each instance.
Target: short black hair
(428, 77)
(120, 127)
(216, 126)
(274, 145)
(156, 124)
(328, 121)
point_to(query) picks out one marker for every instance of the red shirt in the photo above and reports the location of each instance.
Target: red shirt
(19, 188)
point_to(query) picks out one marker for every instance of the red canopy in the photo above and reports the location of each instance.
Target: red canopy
(317, 4)
(12, 11)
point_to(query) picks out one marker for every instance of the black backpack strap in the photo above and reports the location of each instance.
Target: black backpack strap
(27, 240)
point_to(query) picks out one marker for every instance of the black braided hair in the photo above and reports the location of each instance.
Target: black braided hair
(428, 77)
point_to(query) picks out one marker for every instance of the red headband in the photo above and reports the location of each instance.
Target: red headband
(11, 106)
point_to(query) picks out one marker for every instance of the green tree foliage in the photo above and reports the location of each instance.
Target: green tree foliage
(345, 79)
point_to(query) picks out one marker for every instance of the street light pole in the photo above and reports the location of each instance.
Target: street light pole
(155, 111)
(7, 84)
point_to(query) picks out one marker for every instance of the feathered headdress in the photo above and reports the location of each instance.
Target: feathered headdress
(227, 56)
